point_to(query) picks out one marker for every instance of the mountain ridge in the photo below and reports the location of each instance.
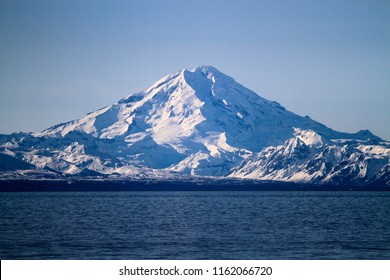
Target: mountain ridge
(199, 122)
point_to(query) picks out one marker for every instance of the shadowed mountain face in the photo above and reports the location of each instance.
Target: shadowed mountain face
(198, 122)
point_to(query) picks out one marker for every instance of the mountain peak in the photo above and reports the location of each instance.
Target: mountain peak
(199, 122)
(206, 69)
(189, 103)
(212, 73)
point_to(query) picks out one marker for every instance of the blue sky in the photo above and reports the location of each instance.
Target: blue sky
(326, 59)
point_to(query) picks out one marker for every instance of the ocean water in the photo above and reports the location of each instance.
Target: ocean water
(195, 225)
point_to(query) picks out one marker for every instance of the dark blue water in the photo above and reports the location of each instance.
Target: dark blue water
(195, 225)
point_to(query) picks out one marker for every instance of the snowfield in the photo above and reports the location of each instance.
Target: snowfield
(197, 123)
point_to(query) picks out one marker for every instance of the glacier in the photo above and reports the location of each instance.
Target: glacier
(197, 123)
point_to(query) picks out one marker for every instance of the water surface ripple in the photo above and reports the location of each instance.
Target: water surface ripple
(195, 225)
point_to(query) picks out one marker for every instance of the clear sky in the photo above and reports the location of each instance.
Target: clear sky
(60, 59)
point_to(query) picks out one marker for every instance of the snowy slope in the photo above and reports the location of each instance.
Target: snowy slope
(310, 158)
(198, 122)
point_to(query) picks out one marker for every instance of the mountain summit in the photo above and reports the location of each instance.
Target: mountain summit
(199, 122)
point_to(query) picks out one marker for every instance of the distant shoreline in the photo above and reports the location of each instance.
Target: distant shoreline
(171, 185)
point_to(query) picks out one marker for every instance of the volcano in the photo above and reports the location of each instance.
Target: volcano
(197, 122)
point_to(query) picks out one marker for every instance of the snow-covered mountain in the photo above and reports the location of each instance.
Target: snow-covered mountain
(199, 122)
